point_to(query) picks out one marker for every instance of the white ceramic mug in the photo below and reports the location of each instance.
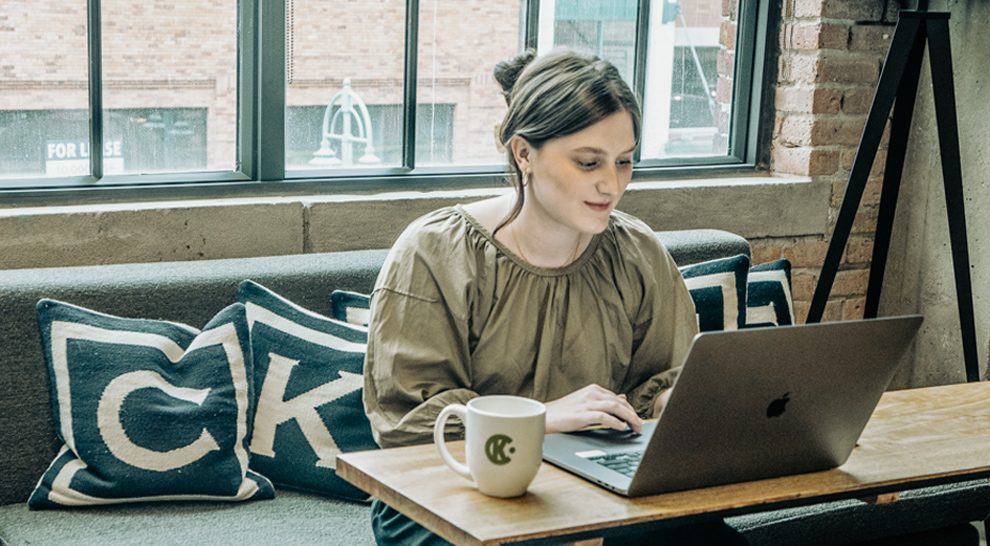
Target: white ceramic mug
(503, 442)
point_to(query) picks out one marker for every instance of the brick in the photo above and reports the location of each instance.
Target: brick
(857, 100)
(837, 131)
(857, 10)
(859, 250)
(726, 62)
(847, 69)
(807, 253)
(814, 100)
(729, 9)
(765, 250)
(727, 34)
(801, 311)
(833, 310)
(803, 282)
(807, 8)
(796, 130)
(836, 68)
(851, 282)
(873, 189)
(870, 38)
(804, 160)
(852, 308)
(821, 130)
(866, 220)
(815, 36)
(879, 161)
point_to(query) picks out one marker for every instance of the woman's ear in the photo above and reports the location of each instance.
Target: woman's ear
(522, 151)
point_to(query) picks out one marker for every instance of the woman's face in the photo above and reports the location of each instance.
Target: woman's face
(575, 181)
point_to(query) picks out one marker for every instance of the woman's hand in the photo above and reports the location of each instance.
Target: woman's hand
(591, 406)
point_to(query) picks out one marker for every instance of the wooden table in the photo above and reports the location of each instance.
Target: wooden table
(916, 438)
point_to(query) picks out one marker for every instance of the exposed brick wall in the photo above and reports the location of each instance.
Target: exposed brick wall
(832, 52)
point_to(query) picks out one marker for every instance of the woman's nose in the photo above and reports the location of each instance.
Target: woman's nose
(609, 184)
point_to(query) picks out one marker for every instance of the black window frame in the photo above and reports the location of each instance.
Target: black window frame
(260, 162)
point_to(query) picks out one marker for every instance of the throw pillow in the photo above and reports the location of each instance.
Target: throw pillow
(719, 291)
(768, 296)
(351, 307)
(308, 383)
(147, 410)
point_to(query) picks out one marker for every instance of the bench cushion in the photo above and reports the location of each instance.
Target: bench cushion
(290, 518)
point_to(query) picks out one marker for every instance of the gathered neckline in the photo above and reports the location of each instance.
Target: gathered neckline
(518, 260)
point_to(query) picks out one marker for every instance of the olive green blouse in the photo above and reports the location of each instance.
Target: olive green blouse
(456, 315)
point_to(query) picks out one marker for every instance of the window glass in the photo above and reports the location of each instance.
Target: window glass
(460, 42)
(682, 81)
(680, 102)
(43, 88)
(169, 86)
(344, 84)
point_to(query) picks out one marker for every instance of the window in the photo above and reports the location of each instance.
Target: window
(372, 91)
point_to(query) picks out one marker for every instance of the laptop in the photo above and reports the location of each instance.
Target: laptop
(750, 404)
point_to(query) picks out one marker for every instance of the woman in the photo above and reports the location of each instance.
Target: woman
(547, 292)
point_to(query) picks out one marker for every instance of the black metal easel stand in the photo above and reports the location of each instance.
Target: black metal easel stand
(899, 80)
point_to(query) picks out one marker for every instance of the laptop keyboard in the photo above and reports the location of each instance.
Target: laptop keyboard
(623, 463)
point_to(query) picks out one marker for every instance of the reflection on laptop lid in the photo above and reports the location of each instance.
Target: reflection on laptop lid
(750, 404)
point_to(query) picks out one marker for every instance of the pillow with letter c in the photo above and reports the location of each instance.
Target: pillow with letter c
(148, 410)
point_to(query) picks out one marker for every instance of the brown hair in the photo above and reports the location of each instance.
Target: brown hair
(555, 95)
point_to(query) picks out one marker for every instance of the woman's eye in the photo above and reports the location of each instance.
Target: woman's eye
(587, 164)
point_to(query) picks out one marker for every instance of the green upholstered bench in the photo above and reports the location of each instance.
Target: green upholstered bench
(192, 293)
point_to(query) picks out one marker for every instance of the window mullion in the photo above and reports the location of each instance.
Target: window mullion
(640, 56)
(269, 83)
(248, 15)
(410, 85)
(531, 24)
(750, 79)
(95, 54)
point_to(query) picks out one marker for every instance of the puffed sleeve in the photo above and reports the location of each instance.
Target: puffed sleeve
(418, 349)
(664, 318)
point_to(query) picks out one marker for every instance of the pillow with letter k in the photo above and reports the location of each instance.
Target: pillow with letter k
(308, 383)
(148, 410)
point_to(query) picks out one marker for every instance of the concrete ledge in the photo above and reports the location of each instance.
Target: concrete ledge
(271, 226)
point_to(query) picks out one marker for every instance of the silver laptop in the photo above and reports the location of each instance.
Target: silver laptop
(748, 405)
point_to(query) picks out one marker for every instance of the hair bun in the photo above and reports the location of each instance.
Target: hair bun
(507, 72)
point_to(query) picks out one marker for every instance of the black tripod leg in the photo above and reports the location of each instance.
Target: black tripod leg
(905, 35)
(948, 136)
(900, 129)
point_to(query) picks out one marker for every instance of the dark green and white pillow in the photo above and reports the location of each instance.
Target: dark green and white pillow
(351, 307)
(147, 410)
(768, 297)
(309, 384)
(718, 288)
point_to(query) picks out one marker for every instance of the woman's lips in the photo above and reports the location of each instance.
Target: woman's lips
(600, 207)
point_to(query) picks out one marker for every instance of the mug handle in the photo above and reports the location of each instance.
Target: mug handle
(453, 409)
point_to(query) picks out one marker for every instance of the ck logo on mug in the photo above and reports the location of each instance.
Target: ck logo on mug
(495, 449)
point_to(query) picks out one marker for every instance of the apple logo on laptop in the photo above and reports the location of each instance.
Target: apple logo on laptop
(778, 406)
